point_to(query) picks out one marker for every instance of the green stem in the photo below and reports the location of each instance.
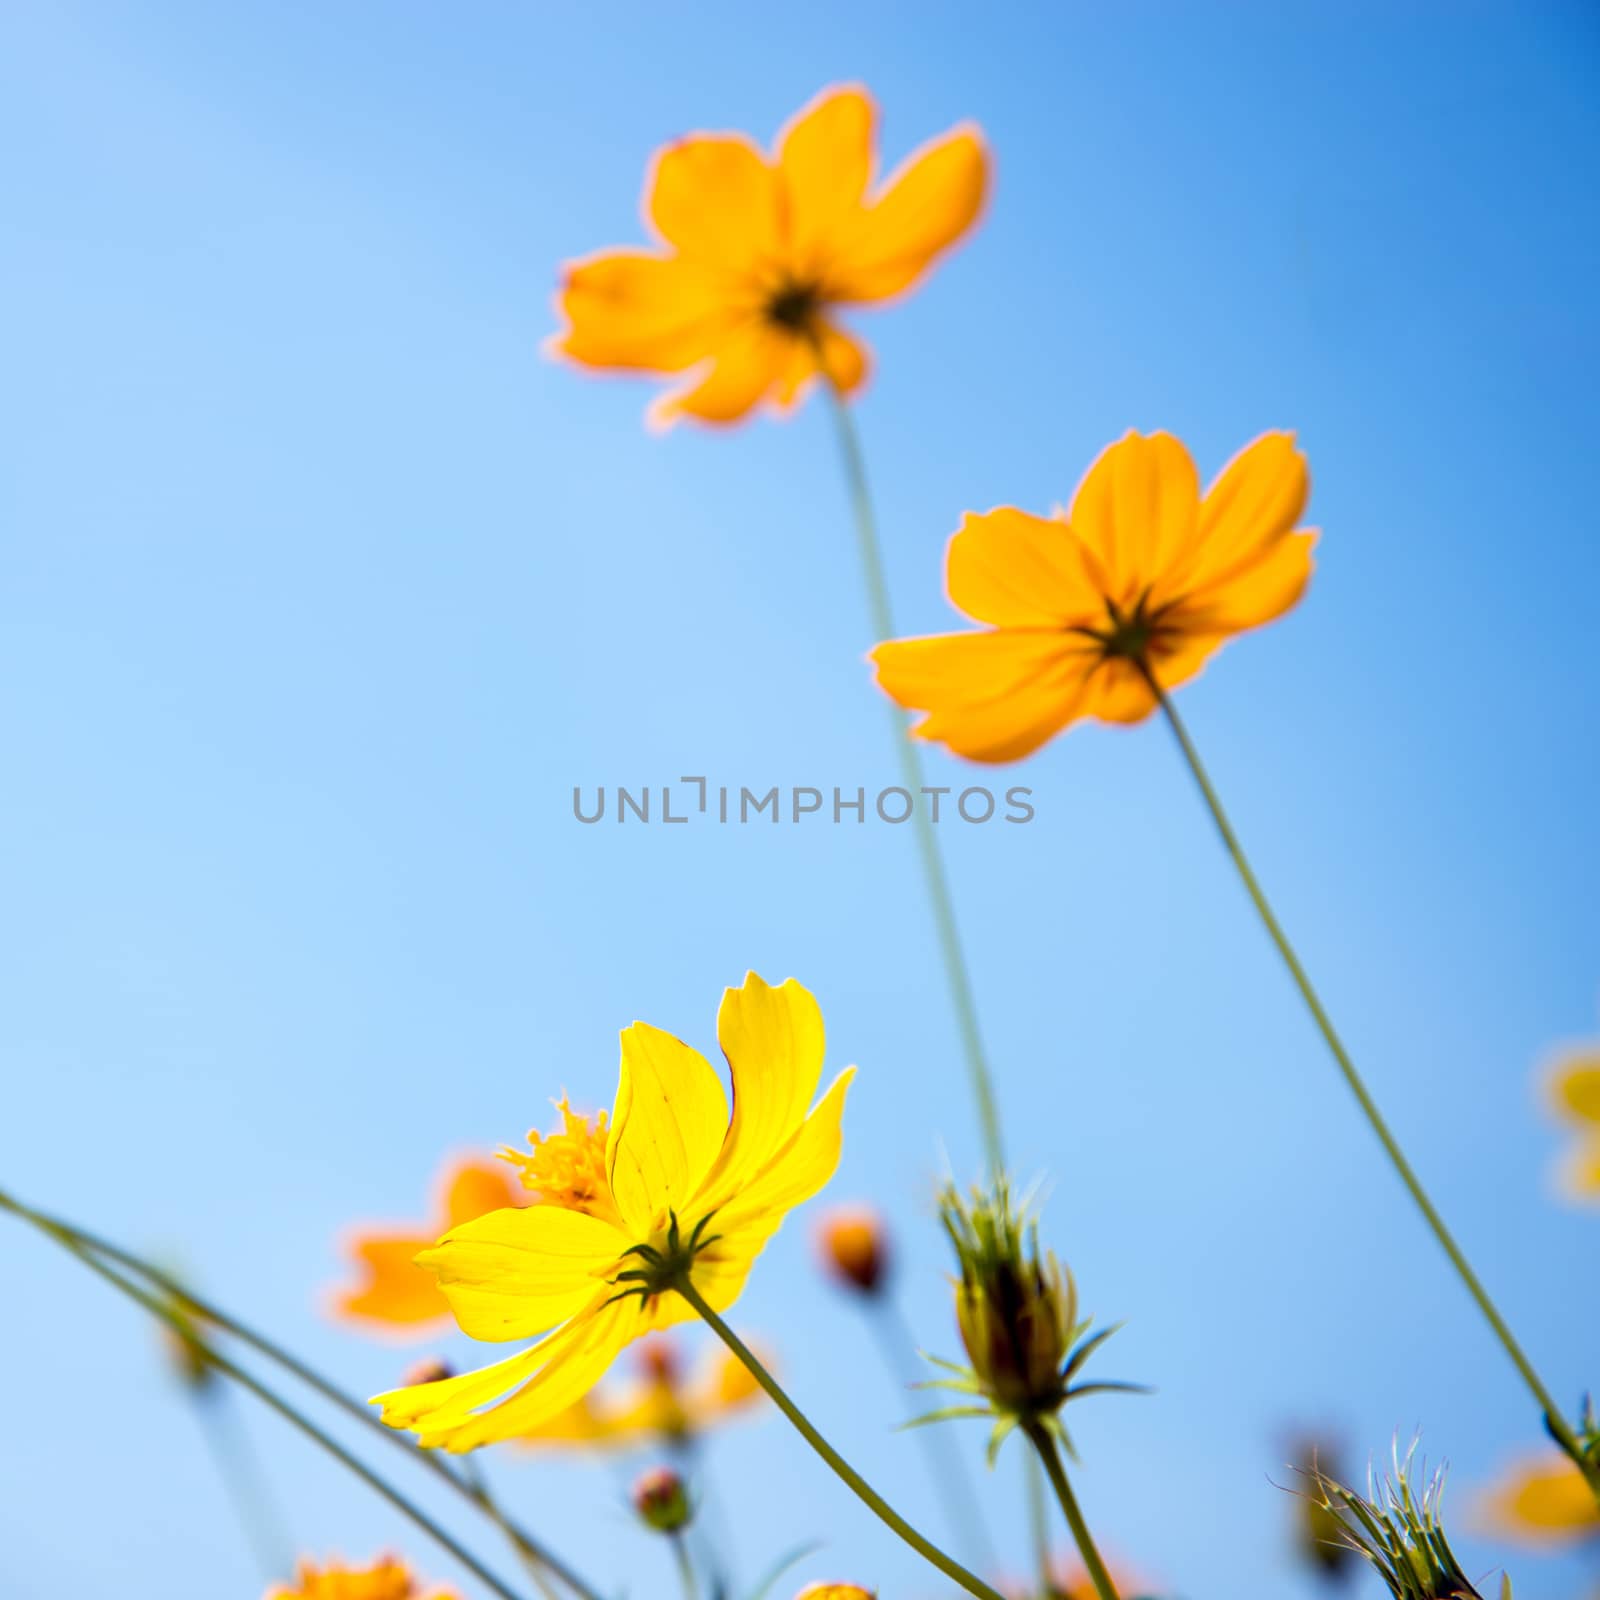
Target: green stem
(680, 1549)
(1038, 1526)
(244, 1483)
(863, 1490)
(276, 1403)
(1045, 1444)
(944, 916)
(525, 1544)
(478, 1484)
(1554, 1419)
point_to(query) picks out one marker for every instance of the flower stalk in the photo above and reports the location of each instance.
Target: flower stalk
(948, 1565)
(1044, 1442)
(1559, 1428)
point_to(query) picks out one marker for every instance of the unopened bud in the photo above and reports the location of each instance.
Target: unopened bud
(660, 1498)
(430, 1369)
(854, 1246)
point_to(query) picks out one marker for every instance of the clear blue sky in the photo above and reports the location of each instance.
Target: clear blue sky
(319, 591)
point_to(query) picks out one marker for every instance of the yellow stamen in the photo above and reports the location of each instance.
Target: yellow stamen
(567, 1168)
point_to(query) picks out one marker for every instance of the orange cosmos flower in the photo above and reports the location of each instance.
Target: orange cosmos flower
(1541, 1500)
(1575, 1094)
(1143, 576)
(754, 252)
(853, 1245)
(386, 1579)
(396, 1297)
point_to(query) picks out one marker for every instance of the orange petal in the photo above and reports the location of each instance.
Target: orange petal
(926, 206)
(1118, 693)
(476, 1186)
(632, 311)
(1253, 593)
(1257, 499)
(825, 162)
(714, 197)
(992, 696)
(397, 1295)
(1019, 571)
(1136, 510)
(844, 356)
(746, 366)
(1575, 1085)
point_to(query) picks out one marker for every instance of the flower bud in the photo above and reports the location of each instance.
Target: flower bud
(662, 1501)
(854, 1246)
(429, 1369)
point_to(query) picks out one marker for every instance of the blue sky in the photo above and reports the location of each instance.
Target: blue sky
(319, 591)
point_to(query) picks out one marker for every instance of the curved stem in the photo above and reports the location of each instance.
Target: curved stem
(944, 916)
(245, 1484)
(276, 1403)
(525, 1544)
(477, 1482)
(863, 1490)
(1045, 1444)
(1554, 1419)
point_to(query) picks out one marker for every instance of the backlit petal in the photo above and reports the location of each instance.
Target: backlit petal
(397, 1295)
(843, 354)
(797, 1170)
(825, 163)
(1136, 510)
(1015, 570)
(477, 1185)
(670, 1120)
(632, 311)
(1118, 693)
(745, 366)
(715, 198)
(512, 1274)
(1256, 499)
(1580, 1172)
(1254, 593)
(924, 208)
(1542, 1501)
(1575, 1084)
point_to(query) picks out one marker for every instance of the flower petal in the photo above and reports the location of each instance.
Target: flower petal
(825, 162)
(1252, 594)
(714, 197)
(1015, 570)
(1575, 1084)
(1580, 1173)
(476, 1185)
(743, 368)
(926, 206)
(1256, 499)
(514, 1273)
(843, 355)
(670, 1120)
(631, 311)
(397, 1294)
(1136, 510)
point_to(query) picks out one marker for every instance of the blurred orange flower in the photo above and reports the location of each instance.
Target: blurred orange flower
(754, 252)
(853, 1244)
(397, 1297)
(662, 1406)
(1575, 1093)
(1143, 575)
(1541, 1500)
(386, 1579)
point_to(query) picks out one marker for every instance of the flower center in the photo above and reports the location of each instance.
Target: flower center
(794, 305)
(567, 1168)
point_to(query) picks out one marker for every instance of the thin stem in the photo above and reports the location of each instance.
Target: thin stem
(244, 1483)
(276, 1403)
(526, 1545)
(864, 1491)
(680, 1550)
(1230, 840)
(478, 1483)
(1038, 1525)
(957, 1500)
(944, 916)
(1044, 1442)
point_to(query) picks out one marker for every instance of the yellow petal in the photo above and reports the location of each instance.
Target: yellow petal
(1252, 593)
(1257, 499)
(669, 1123)
(843, 356)
(1542, 1501)
(1136, 509)
(825, 162)
(1117, 693)
(925, 207)
(745, 366)
(404, 1407)
(1014, 570)
(512, 1274)
(1575, 1084)
(631, 311)
(1580, 1173)
(715, 198)
(774, 1041)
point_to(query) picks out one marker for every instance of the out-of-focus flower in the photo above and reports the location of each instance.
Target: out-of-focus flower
(1541, 1500)
(1574, 1083)
(1396, 1527)
(662, 1405)
(396, 1297)
(1318, 1533)
(662, 1500)
(1143, 578)
(853, 1244)
(184, 1340)
(1071, 1581)
(386, 1579)
(754, 253)
(1017, 1310)
(674, 1191)
(836, 1591)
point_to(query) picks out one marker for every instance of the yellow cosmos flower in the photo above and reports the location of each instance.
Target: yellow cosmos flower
(1575, 1093)
(754, 253)
(1541, 1500)
(672, 1190)
(1143, 575)
(386, 1579)
(396, 1297)
(664, 1404)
